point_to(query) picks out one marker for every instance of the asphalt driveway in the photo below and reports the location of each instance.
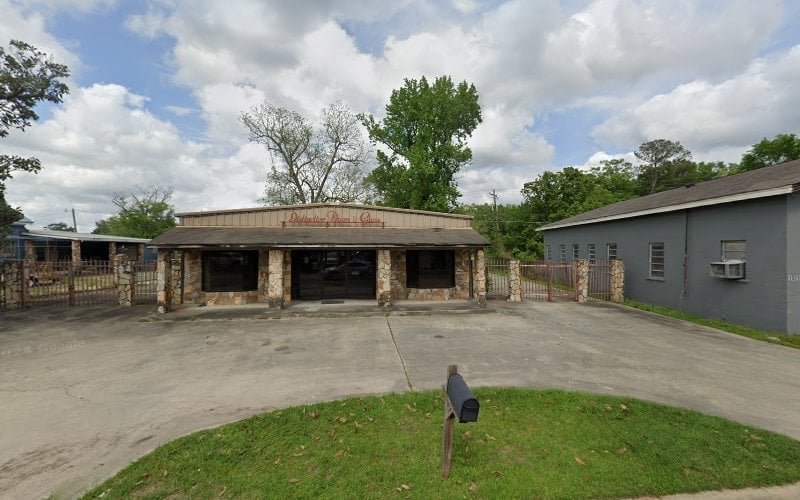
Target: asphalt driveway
(84, 392)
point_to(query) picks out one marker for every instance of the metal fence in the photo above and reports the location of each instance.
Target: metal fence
(600, 281)
(548, 281)
(3, 285)
(497, 277)
(144, 288)
(65, 283)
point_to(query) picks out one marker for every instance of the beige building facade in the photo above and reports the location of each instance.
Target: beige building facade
(319, 252)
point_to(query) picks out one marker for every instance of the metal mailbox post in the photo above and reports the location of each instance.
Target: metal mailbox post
(461, 403)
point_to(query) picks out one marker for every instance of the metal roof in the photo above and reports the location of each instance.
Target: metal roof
(323, 205)
(71, 236)
(765, 182)
(310, 237)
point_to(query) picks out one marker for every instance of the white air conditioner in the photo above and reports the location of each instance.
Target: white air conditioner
(728, 269)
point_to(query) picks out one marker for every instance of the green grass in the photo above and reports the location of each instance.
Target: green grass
(754, 333)
(526, 444)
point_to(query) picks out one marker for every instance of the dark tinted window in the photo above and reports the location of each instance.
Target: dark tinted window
(230, 271)
(430, 269)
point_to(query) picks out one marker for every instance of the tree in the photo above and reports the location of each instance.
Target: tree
(425, 135)
(707, 171)
(143, 215)
(60, 226)
(509, 232)
(308, 165)
(27, 78)
(657, 158)
(783, 148)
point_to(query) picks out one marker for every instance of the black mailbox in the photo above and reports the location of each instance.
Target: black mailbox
(465, 405)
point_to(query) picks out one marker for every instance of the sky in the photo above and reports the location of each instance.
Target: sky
(157, 86)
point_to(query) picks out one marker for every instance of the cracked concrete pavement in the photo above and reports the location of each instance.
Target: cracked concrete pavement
(87, 390)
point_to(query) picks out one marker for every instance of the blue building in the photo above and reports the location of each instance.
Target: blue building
(727, 249)
(51, 245)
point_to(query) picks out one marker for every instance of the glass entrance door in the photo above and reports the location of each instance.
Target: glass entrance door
(333, 274)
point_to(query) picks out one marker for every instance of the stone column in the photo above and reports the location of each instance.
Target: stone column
(140, 252)
(76, 254)
(112, 251)
(164, 280)
(582, 279)
(383, 287)
(13, 284)
(514, 281)
(124, 279)
(617, 281)
(275, 290)
(30, 250)
(287, 277)
(480, 276)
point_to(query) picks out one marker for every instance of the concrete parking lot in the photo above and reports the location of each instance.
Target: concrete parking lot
(86, 391)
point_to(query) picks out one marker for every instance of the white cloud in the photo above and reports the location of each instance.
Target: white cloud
(681, 70)
(464, 6)
(102, 140)
(756, 103)
(21, 23)
(623, 39)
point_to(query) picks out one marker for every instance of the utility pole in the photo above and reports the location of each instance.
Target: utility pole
(74, 224)
(493, 194)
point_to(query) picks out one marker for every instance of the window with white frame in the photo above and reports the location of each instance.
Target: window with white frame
(592, 253)
(656, 251)
(547, 253)
(611, 251)
(576, 251)
(562, 253)
(734, 249)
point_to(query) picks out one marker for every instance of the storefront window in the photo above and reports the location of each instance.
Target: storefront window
(230, 271)
(430, 268)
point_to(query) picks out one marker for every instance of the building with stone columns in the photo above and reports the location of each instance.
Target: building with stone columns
(321, 252)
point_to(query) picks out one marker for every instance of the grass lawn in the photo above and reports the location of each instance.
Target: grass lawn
(526, 444)
(754, 333)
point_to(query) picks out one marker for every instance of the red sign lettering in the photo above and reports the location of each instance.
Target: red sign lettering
(363, 219)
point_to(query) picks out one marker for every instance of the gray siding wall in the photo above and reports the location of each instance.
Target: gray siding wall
(632, 237)
(760, 301)
(792, 276)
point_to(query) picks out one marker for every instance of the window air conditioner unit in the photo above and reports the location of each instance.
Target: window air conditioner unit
(728, 269)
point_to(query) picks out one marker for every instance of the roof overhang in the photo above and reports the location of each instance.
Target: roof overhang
(255, 237)
(753, 195)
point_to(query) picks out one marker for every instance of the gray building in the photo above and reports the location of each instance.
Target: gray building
(727, 249)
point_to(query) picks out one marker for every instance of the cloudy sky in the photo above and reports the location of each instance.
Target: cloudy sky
(157, 86)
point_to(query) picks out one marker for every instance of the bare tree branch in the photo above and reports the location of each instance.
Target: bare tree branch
(311, 165)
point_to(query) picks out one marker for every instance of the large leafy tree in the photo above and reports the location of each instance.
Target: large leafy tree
(27, 78)
(784, 147)
(424, 143)
(311, 165)
(145, 214)
(663, 162)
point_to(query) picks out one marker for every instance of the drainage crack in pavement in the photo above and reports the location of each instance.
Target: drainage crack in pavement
(397, 349)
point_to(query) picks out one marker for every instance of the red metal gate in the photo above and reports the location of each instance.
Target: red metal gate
(599, 281)
(144, 288)
(65, 283)
(548, 281)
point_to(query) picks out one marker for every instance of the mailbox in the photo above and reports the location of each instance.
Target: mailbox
(464, 403)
